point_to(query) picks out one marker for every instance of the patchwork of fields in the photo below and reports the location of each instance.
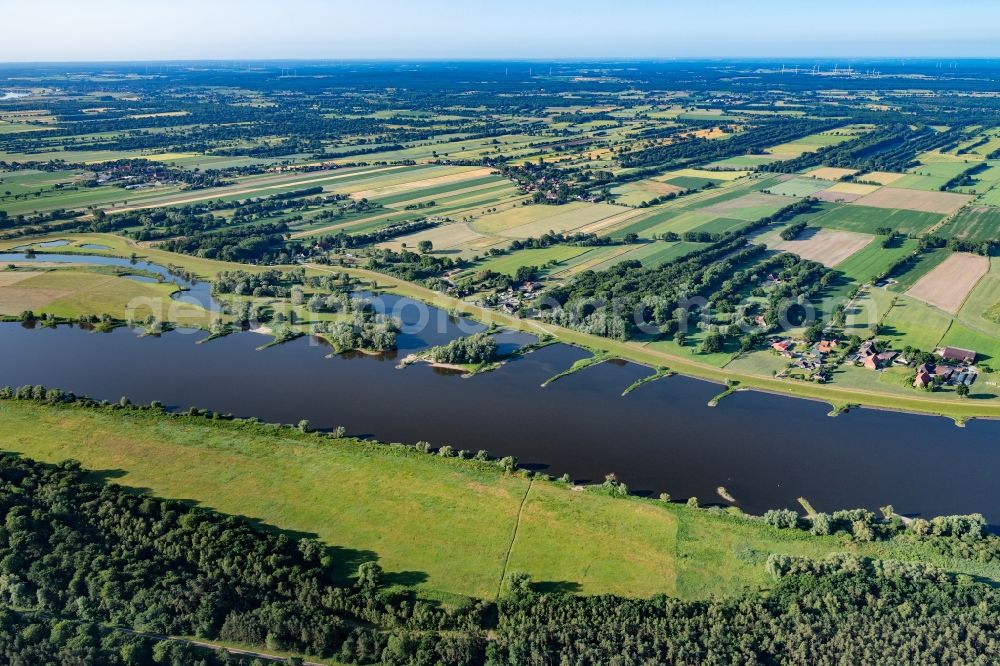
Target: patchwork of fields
(487, 190)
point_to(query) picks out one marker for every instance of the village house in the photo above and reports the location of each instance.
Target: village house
(781, 346)
(923, 380)
(870, 357)
(942, 372)
(826, 346)
(957, 355)
(882, 359)
(934, 374)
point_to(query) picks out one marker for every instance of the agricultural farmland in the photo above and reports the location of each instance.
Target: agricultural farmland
(495, 266)
(829, 248)
(867, 219)
(948, 285)
(896, 198)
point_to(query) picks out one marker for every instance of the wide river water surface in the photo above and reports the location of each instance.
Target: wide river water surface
(766, 450)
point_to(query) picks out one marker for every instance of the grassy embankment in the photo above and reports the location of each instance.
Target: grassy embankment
(452, 528)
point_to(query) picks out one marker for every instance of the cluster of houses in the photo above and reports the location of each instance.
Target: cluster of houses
(810, 358)
(869, 356)
(956, 369)
(510, 301)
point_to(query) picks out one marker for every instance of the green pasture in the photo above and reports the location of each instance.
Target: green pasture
(866, 219)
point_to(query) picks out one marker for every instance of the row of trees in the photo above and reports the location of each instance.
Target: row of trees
(891, 147)
(750, 141)
(614, 302)
(30, 639)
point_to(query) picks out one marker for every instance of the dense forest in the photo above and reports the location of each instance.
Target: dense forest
(78, 557)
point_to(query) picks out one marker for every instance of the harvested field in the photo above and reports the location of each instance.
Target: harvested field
(563, 222)
(950, 282)
(825, 246)
(944, 203)
(610, 222)
(444, 237)
(755, 202)
(9, 279)
(835, 197)
(633, 194)
(421, 184)
(854, 188)
(15, 300)
(830, 173)
(531, 221)
(882, 177)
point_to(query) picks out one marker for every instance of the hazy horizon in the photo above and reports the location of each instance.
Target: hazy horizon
(60, 31)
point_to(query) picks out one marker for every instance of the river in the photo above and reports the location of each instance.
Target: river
(766, 450)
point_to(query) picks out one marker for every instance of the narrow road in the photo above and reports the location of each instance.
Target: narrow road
(212, 646)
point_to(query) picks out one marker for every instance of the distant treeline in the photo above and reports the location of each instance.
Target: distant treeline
(752, 141)
(889, 148)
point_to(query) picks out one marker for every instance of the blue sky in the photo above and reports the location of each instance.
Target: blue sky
(65, 30)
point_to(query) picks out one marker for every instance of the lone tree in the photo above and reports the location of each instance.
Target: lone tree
(425, 246)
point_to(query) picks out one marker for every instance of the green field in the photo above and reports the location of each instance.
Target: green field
(509, 263)
(650, 254)
(866, 219)
(720, 225)
(987, 346)
(916, 324)
(977, 223)
(67, 292)
(982, 306)
(944, 170)
(742, 162)
(874, 260)
(692, 182)
(920, 266)
(866, 312)
(921, 182)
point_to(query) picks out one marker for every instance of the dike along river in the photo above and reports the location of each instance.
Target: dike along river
(766, 450)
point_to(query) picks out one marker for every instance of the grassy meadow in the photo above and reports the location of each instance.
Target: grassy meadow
(451, 528)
